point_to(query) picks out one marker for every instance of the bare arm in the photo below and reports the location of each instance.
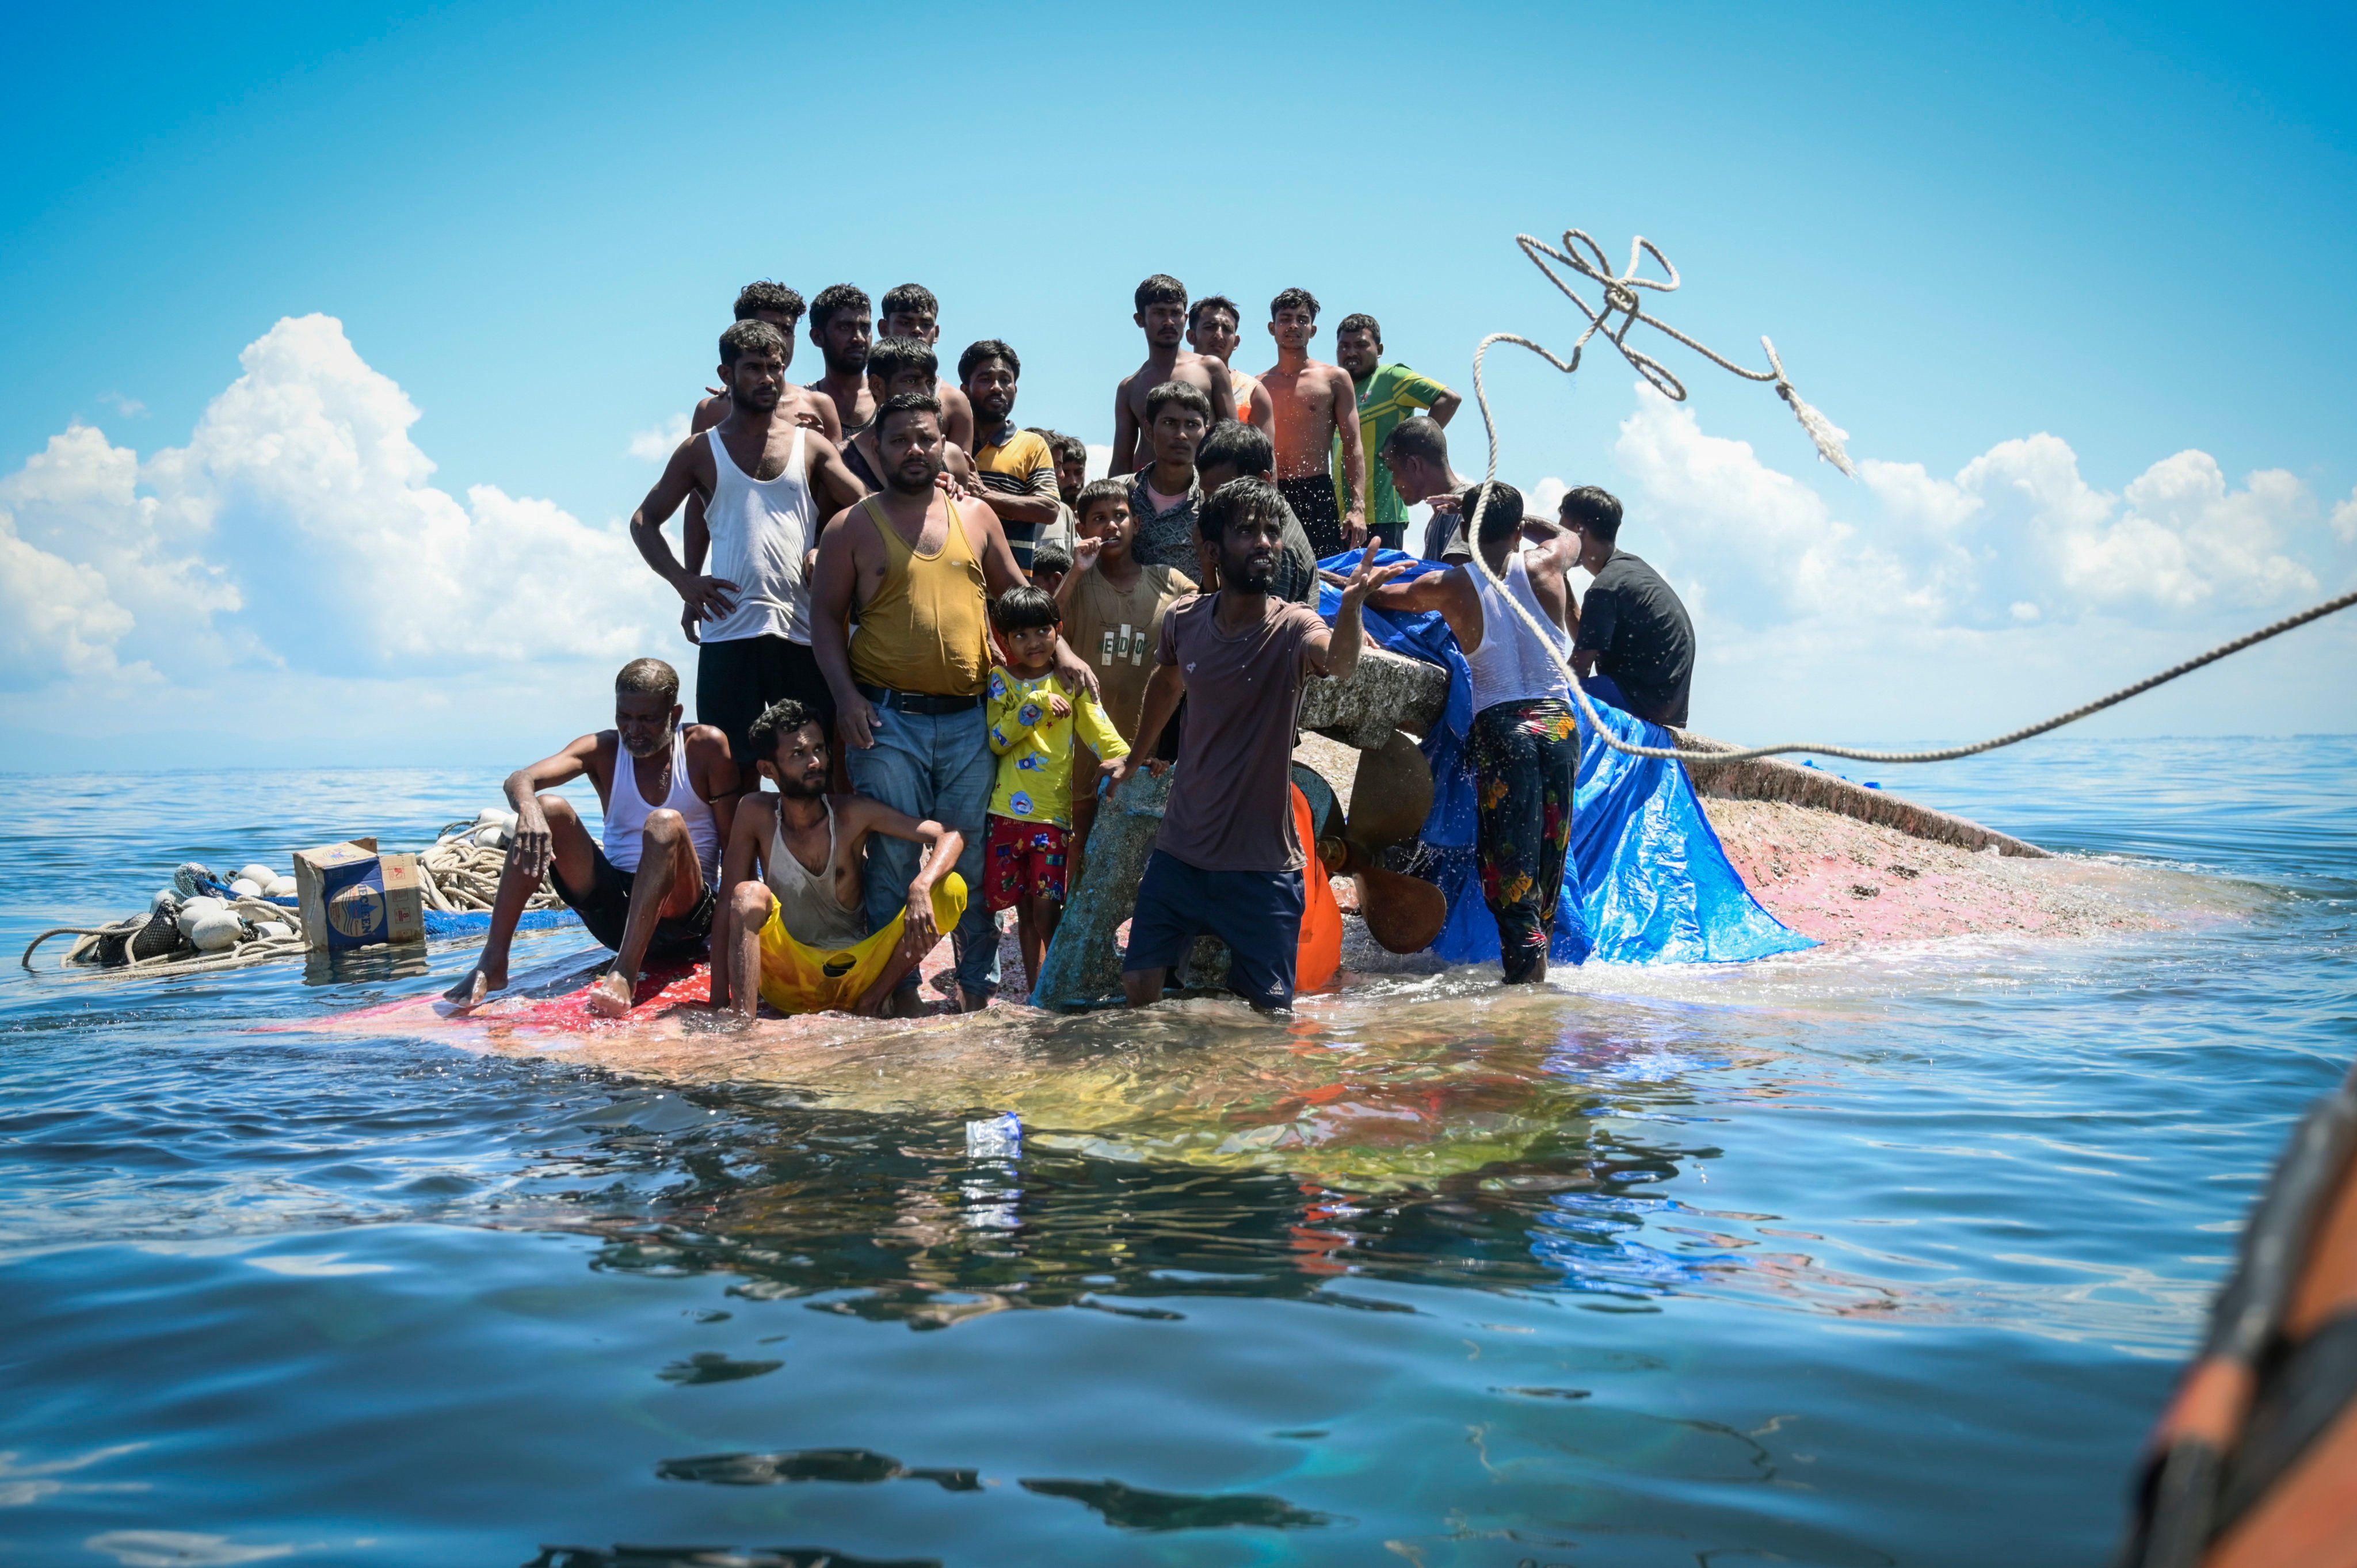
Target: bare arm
(1336, 653)
(820, 407)
(681, 477)
(1450, 593)
(715, 774)
(1264, 411)
(837, 488)
(528, 848)
(833, 581)
(1223, 390)
(1354, 459)
(999, 572)
(746, 842)
(1163, 690)
(1444, 407)
(957, 416)
(1038, 508)
(1124, 434)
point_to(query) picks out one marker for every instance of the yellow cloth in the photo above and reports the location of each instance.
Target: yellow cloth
(927, 626)
(797, 978)
(1022, 465)
(1035, 750)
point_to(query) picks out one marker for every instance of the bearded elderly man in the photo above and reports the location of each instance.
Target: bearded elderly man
(669, 794)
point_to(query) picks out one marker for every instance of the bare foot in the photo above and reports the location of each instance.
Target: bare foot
(971, 1001)
(610, 996)
(472, 991)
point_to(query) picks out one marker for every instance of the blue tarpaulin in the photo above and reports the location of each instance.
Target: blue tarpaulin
(1654, 884)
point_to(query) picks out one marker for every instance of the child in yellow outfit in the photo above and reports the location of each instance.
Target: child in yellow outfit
(1033, 718)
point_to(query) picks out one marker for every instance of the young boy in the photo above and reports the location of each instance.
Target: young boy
(1050, 563)
(1032, 719)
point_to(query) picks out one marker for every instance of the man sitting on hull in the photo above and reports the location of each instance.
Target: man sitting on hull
(794, 925)
(669, 792)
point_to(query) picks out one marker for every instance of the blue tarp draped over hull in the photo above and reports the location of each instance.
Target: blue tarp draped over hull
(1654, 884)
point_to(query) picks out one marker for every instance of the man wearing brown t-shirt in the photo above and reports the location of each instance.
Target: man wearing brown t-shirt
(1226, 862)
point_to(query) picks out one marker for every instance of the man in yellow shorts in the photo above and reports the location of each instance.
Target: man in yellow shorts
(794, 922)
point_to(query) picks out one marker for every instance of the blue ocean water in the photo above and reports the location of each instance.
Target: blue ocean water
(1865, 1256)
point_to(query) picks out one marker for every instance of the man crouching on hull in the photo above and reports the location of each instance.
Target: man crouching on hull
(793, 931)
(668, 791)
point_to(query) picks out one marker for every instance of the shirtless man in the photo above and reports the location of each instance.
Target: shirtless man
(1316, 403)
(1162, 315)
(795, 912)
(843, 326)
(668, 791)
(1214, 330)
(765, 505)
(911, 311)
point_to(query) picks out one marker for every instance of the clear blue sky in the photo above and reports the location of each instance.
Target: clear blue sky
(2126, 227)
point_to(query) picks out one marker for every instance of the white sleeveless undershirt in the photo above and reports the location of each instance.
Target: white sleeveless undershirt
(1511, 665)
(626, 814)
(807, 904)
(762, 530)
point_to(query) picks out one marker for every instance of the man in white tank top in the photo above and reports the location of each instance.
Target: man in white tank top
(766, 483)
(794, 923)
(647, 887)
(1524, 746)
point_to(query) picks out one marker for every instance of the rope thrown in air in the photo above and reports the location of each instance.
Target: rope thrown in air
(1620, 298)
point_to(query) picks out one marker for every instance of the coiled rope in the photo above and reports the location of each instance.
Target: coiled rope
(1619, 295)
(176, 961)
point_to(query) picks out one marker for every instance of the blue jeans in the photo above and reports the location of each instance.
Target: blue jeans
(938, 766)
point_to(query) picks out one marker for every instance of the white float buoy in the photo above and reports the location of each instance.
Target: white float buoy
(246, 888)
(493, 835)
(163, 897)
(216, 930)
(259, 874)
(279, 887)
(274, 929)
(195, 910)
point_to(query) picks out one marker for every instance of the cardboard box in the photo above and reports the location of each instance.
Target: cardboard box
(351, 897)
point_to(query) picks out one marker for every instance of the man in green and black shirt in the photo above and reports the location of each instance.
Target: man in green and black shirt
(1387, 394)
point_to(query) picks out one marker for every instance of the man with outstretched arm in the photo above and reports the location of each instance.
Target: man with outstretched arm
(1226, 860)
(793, 927)
(843, 326)
(1162, 315)
(764, 482)
(1524, 744)
(919, 568)
(1417, 455)
(1317, 407)
(669, 794)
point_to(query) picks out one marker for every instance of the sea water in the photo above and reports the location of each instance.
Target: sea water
(1867, 1256)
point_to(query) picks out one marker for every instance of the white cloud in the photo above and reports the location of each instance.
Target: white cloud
(129, 407)
(657, 445)
(298, 529)
(2344, 519)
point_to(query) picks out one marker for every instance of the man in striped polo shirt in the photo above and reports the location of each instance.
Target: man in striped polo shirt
(1017, 467)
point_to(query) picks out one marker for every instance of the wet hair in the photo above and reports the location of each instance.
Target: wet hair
(910, 300)
(748, 336)
(1189, 398)
(1213, 302)
(779, 720)
(1419, 437)
(1247, 500)
(1097, 491)
(651, 676)
(1298, 298)
(1504, 509)
(906, 402)
(1023, 607)
(1596, 510)
(1232, 444)
(833, 298)
(898, 356)
(1161, 289)
(977, 355)
(766, 296)
(1050, 558)
(1359, 322)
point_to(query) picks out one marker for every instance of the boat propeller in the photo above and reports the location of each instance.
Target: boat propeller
(1391, 795)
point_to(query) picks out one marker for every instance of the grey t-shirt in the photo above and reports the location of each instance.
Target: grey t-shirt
(1638, 627)
(1231, 800)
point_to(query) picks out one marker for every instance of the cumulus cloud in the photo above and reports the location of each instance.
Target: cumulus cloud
(656, 444)
(129, 407)
(298, 529)
(2344, 519)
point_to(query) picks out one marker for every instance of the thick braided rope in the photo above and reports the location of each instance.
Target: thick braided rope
(1548, 634)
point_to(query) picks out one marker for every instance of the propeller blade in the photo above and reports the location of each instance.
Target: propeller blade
(1404, 913)
(1391, 795)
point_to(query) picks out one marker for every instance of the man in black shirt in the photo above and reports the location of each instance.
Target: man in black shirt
(1636, 647)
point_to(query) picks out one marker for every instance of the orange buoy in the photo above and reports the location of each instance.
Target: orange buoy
(1321, 953)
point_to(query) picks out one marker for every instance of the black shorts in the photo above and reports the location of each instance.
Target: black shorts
(737, 679)
(1256, 913)
(1311, 497)
(605, 908)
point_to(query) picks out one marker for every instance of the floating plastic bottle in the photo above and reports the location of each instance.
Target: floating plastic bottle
(999, 1138)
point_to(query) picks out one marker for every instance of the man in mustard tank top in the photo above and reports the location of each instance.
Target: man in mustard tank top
(919, 568)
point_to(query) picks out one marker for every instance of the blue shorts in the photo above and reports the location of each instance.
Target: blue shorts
(1256, 913)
